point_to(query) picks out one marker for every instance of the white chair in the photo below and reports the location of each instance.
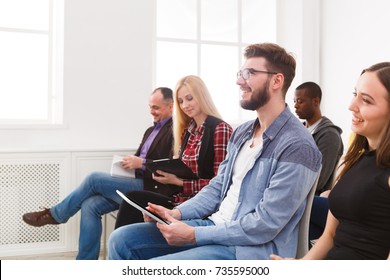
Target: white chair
(303, 233)
(106, 231)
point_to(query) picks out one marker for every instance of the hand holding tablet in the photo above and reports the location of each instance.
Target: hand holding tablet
(142, 209)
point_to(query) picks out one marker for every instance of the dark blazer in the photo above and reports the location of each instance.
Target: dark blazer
(161, 147)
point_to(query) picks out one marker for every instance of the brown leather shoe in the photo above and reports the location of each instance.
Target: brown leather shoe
(41, 218)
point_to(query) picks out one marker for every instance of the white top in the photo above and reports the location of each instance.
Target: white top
(244, 162)
(313, 127)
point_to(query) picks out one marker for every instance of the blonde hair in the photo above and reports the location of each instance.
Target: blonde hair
(201, 94)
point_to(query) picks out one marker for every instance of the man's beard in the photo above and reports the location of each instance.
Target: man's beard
(305, 114)
(257, 100)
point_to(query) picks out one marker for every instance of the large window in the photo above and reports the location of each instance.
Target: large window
(31, 62)
(207, 38)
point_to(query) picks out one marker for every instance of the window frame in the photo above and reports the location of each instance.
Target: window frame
(243, 115)
(55, 34)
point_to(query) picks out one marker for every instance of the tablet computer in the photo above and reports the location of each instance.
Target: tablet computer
(142, 209)
(173, 166)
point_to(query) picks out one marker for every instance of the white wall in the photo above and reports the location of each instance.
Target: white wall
(298, 32)
(333, 41)
(355, 35)
(107, 79)
(108, 67)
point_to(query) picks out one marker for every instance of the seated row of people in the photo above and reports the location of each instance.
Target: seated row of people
(197, 135)
(254, 182)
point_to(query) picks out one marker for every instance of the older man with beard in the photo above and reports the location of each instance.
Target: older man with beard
(253, 206)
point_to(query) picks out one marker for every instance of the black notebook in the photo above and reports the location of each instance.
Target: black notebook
(173, 166)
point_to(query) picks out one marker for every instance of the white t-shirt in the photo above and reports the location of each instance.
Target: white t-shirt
(244, 162)
(313, 127)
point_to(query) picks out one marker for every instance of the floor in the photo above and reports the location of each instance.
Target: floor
(109, 223)
(55, 256)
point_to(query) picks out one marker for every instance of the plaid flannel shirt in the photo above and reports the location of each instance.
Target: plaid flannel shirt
(222, 134)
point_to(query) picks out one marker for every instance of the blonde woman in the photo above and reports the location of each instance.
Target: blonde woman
(200, 140)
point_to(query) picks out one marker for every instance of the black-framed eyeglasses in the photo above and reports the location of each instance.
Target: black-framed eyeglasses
(246, 73)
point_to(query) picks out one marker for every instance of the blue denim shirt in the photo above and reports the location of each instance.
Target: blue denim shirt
(272, 196)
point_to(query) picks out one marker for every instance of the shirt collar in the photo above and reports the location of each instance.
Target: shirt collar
(162, 122)
(193, 129)
(278, 123)
(313, 127)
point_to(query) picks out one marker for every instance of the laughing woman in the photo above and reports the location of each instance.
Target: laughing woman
(358, 223)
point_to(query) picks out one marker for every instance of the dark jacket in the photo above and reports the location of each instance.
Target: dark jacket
(161, 147)
(328, 139)
(206, 153)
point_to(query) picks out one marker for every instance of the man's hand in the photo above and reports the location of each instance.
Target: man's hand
(131, 162)
(177, 233)
(161, 211)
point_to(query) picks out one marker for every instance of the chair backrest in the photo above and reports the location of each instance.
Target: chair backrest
(303, 232)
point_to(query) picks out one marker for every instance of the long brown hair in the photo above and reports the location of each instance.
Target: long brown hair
(360, 143)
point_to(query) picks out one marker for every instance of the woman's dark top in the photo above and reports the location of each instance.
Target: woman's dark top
(360, 201)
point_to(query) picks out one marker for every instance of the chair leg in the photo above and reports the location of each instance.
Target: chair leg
(105, 237)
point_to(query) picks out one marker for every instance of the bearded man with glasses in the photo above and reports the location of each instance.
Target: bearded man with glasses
(253, 206)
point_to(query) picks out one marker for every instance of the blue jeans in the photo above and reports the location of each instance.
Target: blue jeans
(318, 216)
(144, 241)
(95, 196)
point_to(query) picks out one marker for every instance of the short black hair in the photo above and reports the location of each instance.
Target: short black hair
(313, 90)
(166, 92)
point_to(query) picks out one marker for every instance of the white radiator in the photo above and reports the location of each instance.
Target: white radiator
(24, 187)
(29, 181)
